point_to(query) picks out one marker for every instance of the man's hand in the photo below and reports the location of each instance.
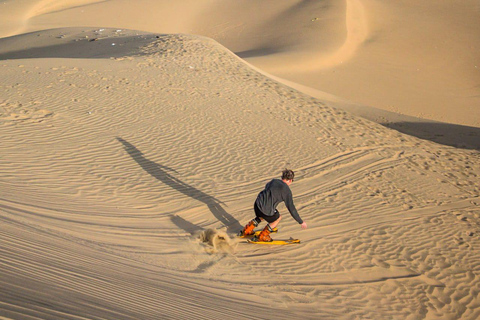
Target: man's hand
(304, 225)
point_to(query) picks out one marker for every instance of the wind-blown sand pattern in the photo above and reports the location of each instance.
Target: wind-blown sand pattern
(129, 160)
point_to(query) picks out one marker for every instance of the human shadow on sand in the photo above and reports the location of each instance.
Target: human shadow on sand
(160, 173)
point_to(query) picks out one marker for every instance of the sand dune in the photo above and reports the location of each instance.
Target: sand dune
(130, 159)
(414, 59)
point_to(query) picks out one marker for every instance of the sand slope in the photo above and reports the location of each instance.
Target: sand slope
(128, 163)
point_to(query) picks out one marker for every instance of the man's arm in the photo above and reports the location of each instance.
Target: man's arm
(291, 208)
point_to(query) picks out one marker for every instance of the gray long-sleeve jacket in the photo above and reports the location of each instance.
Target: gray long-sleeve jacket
(275, 192)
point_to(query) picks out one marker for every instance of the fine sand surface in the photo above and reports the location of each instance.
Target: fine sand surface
(130, 159)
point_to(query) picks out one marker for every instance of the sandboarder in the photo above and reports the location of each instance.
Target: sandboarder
(266, 204)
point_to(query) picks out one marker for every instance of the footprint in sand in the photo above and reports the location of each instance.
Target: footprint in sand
(17, 112)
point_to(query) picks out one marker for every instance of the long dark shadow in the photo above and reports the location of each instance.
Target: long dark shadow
(458, 136)
(160, 173)
(11, 48)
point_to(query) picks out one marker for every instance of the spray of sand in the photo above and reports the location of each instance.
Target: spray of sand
(216, 241)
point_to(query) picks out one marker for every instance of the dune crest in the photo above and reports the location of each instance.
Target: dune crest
(356, 34)
(52, 6)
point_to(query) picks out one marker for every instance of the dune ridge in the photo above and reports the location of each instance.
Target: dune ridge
(356, 32)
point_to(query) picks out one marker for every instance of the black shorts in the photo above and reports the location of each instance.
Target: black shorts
(269, 219)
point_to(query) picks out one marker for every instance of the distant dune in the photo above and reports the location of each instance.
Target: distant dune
(418, 59)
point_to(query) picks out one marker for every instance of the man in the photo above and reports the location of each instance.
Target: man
(266, 204)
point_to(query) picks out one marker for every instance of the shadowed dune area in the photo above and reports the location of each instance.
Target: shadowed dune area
(136, 135)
